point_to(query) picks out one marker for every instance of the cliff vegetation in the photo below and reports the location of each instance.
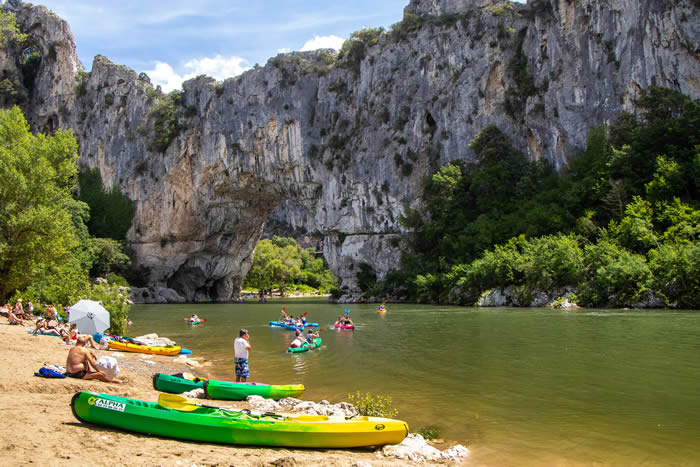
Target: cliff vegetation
(618, 227)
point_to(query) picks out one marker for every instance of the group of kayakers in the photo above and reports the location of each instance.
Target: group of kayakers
(289, 320)
(344, 320)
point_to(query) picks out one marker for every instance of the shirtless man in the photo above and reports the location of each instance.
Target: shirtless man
(81, 363)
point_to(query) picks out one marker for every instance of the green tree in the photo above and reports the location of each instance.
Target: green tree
(37, 235)
(280, 262)
(111, 213)
(275, 263)
(9, 31)
(615, 276)
(46, 251)
(107, 256)
(675, 269)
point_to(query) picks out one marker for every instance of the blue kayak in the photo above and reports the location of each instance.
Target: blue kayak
(280, 324)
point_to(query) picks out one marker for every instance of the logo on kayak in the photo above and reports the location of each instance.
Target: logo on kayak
(107, 404)
(379, 427)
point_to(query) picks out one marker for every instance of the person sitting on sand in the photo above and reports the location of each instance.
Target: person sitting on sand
(13, 319)
(19, 311)
(71, 337)
(82, 364)
(43, 326)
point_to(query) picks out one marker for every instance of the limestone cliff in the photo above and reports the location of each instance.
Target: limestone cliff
(335, 148)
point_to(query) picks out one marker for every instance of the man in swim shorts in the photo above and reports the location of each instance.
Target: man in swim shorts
(241, 346)
(81, 363)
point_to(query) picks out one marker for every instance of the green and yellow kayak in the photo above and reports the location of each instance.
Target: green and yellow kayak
(224, 390)
(228, 390)
(217, 425)
(175, 384)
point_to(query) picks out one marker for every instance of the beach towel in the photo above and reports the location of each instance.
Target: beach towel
(108, 366)
(49, 373)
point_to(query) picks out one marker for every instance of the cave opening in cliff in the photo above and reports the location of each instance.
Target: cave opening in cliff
(285, 265)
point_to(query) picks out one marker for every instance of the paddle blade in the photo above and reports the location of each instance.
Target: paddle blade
(173, 401)
(201, 320)
(304, 313)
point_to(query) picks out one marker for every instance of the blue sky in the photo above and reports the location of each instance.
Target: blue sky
(175, 39)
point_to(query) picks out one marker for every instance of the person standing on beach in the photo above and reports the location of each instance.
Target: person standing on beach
(241, 346)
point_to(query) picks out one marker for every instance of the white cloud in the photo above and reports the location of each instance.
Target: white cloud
(284, 50)
(217, 67)
(324, 42)
(164, 75)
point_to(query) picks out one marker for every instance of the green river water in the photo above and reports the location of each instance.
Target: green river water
(516, 386)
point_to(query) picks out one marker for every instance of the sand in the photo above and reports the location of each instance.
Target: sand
(38, 426)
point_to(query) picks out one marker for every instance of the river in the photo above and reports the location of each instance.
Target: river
(516, 386)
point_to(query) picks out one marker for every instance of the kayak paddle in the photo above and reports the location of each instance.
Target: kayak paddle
(173, 401)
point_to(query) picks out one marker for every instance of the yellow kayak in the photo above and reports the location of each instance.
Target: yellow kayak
(150, 349)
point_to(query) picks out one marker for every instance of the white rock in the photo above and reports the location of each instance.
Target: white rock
(195, 394)
(266, 405)
(455, 452)
(413, 448)
(290, 401)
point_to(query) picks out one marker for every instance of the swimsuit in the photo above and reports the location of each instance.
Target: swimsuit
(242, 367)
(77, 374)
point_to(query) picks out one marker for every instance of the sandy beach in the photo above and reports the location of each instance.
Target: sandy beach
(39, 427)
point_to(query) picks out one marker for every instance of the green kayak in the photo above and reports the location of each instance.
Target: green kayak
(224, 390)
(305, 346)
(176, 384)
(218, 425)
(228, 390)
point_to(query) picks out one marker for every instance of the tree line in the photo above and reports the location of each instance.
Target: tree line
(48, 252)
(618, 225)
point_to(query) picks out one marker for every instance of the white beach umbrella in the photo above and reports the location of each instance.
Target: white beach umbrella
(90, 316)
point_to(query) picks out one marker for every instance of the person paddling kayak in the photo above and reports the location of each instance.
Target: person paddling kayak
(298, 340)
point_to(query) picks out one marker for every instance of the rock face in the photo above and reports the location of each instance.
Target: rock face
(335, 148)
